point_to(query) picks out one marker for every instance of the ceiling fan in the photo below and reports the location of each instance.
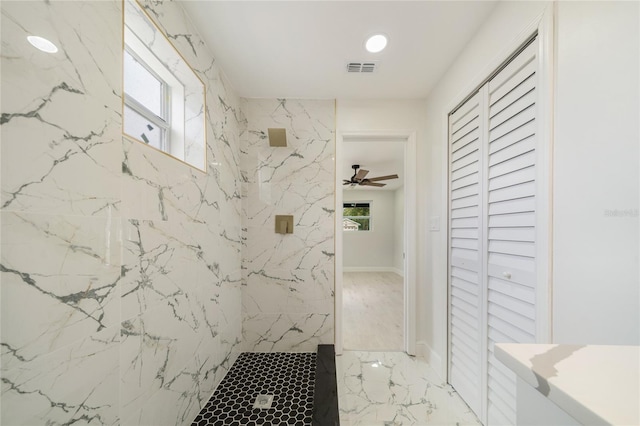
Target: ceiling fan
(359, 178)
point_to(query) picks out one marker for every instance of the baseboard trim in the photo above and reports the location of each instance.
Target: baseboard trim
(372, 269)
(423, 350)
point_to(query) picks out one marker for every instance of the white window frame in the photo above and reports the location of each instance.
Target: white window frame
(172, 121)
(370, 217)
(164, 121)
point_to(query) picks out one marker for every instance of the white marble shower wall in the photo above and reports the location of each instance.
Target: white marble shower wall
(288, 280)
(121, 267)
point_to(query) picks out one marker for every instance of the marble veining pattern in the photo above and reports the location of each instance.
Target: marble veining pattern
(392, 388)
(181, 262)
(121, 267)
(61, 115)
(45, 390)
(288, 281)
(60, 282)
(132, 311)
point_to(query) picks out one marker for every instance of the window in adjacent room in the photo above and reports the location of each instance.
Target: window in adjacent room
(356, 216)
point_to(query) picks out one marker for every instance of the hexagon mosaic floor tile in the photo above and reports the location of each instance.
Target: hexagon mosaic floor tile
(289, 377)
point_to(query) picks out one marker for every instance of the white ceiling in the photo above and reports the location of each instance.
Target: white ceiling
(299, 49)
(381, 158)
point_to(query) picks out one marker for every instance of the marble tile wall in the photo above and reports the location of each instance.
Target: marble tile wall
(121, 267)
(288, 284)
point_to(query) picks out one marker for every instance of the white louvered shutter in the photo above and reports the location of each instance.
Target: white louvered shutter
(465, 258)
(492, 234)
(511, 194)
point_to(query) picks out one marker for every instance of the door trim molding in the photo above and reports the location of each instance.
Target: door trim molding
(407, 137)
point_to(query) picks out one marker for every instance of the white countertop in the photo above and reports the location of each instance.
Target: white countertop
(593, 384)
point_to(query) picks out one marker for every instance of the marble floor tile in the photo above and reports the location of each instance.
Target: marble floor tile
(392, 388)
(373, 311)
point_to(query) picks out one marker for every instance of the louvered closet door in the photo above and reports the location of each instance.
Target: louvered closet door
(492, 234)
(511, 196)
(465, 259)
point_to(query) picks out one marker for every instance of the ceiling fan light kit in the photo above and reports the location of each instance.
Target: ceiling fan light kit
(359, 178)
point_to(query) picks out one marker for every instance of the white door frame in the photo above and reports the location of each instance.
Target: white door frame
(410, 229)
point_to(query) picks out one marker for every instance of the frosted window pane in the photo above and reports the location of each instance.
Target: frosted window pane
(141, 85)
(140, 128)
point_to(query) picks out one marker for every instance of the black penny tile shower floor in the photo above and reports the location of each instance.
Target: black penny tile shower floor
(289, 377)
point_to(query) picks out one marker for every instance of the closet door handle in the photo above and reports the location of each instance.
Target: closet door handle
(507, 275)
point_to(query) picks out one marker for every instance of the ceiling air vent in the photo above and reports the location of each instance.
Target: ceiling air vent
(361, 66)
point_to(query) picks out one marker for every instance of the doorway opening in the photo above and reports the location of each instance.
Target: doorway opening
(375, 241)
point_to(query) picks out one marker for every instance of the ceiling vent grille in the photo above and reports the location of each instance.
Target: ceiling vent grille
(362, 67)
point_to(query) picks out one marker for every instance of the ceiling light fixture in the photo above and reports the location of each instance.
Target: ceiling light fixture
(42, 44)
(376, 43)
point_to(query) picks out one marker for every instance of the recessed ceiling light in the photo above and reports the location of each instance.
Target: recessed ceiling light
(42, 44)
(376, 43)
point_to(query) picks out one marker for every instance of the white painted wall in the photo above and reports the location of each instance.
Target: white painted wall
(374, 249)
(596, 283)
(398, 231)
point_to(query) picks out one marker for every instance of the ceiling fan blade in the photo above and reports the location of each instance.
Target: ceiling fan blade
(383, 178)
(361, 174)
(368, 183)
